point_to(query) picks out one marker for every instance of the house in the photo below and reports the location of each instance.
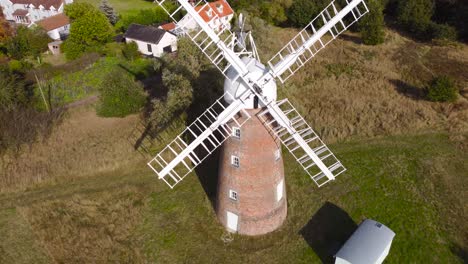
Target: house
(369, 244)
(151, 41)
(29, 11)
(57, 27)
(217, 14)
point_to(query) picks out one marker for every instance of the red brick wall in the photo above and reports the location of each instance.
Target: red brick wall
(255, 181)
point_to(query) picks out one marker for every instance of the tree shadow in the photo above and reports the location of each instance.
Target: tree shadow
(351, 38)
(460, 252)
(408, 90)
(207, 89)
(328, 230)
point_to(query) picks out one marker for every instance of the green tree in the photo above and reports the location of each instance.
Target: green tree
(302, 12)
(77, 10)
(442, 89)
(372, 25)
(109, 11)
(415, 15)
(27, 42)
(273, 12)
(120, 95)
(89, 30)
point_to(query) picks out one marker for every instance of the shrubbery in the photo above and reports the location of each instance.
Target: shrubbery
(120, 95)
(442, 32)
(372, 25)
(130, 51)
(27, 42)
(89, 30)
(415, 15)
(442, 89)
(302, 12)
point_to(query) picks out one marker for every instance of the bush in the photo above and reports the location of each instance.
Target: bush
(442, 32)
(302, 12)
(442, 89)
(120, 95)
(130, 51)
(372, 24)
(415, 15)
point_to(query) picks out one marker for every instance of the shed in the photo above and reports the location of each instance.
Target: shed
(151, 41)
(369, 244)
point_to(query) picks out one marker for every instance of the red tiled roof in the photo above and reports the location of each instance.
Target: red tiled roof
(20, 12)
(216, 7)
(54, 22)
(45, 3)
(168, 26)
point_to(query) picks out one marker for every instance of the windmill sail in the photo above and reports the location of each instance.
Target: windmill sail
(206, 134)
(201, 24)
(302, 142)
(218, 43)
(314, 37)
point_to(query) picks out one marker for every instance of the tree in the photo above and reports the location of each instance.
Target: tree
(89, 30)
(415, 15)
(120, 95)
(77, 10)
(5, 29)
(27, 42)
(372, 25)
(302, 12)
(109, 11)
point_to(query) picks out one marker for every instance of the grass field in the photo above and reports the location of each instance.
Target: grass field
(413, 184)
(84, 195)
(125, 7)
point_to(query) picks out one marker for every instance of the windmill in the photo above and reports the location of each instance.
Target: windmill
(248, 121)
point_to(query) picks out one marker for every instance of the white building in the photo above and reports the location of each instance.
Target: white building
(218, 13)
(151, 41)
(57, 27)
(29, 11)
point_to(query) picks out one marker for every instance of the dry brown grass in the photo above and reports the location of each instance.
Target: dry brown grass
(84, 144)
(85, 228)
(351, 89)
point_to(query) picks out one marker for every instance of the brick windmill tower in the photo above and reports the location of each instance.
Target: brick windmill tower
(248, 121)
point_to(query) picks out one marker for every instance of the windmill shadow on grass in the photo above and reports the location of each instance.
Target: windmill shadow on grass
(207, 89)
(327, 231)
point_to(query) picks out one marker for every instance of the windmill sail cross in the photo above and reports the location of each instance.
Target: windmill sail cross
(305, 46)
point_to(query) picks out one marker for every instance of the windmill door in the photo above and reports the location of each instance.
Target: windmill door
(232, 221)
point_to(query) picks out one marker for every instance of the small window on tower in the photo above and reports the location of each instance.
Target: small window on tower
(235, 161)
(233, 195)
(277, 154)
(236, 132)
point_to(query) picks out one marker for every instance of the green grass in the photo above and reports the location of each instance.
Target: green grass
(81, 84)
(413, 184)
(125, 7)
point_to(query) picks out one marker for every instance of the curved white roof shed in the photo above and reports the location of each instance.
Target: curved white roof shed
(369, 244)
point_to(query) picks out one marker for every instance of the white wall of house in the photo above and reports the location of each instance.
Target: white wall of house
(35, 13)
(56, 34)
(215, 24)
(151, 49)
